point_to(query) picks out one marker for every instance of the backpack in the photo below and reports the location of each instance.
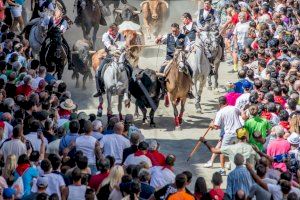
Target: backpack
(18, 185)
(295, 122)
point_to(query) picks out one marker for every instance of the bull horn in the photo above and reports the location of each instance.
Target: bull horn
(162, 1)
(92, 52)
(136, 12)
(117, 10)
(75, 52)
(141, 5)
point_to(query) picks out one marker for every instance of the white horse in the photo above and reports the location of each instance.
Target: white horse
(205, 62)
(38, 33)
(116, 82)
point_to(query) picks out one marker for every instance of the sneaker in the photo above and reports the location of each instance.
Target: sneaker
(222, 172)
(98, 94)
(208, 164)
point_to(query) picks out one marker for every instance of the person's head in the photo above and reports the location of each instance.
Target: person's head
(153, 145)
(222, 101)
(170, 160)
(180, 181)
(97, 126)
(8, 194)
(88, 127)
(89, 194)
(240, 195)
(200, 186)
(144, 175)
(292, 196)
(42, 183)
(242, 134)
(239, 159)
(46, 165)
(286, 176)
(23, 159)
(55, 161)
(42, 71)
(242, 74)
(134, 138)
(82, 162)
(35, 126)
(76, 175)
(113, 29)
(103, 165)
(175, 29)
(253, 109)
(261, 170)
(143, 146)
(119, 128)
(186, 18)
(207, 4)
(278, 130)
(217, 179)
(189, 176)
(74, 126)
(10, 165)
(242, 17)
(18, 131)
(285, 186)
(34, 156)
(42, 196)
(115, 176)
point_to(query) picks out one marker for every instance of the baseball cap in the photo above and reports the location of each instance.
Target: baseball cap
(153, 144)
(241, 132)
(8, 193)
(97, 124)
(42, 181)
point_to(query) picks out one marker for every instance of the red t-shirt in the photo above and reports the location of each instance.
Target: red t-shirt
(157, 158)
(96, 180)
(24, 89)
(235, 18)
(216, 194)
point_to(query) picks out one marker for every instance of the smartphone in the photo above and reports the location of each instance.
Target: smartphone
(39, 133)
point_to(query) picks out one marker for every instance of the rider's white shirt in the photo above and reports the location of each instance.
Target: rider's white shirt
(50, 6)
(63, 26)
(187, 42)
(107, 39)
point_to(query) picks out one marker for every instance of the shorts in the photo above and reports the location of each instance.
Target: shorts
(16, 11)
(239, 51)
(228, 139)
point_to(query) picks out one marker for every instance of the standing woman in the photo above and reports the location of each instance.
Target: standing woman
(16, 10)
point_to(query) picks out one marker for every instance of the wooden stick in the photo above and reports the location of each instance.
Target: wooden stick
(198, 144)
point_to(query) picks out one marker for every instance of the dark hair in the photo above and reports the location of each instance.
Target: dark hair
(262, 63)
(292, 196)
(55, 161)
(285, 186)
(46, 165)
(292, 103)
(180, 181)
(89, 194)
(74, 126)
(257, 83)
(35, 126)
(189, 175)
(217, 179)
(23, 159)
(222, 100)
(34, 156)
(200, 186)
(17, 131)
(242, 73)
(54, 196)
(88, 126)
(82, 162)
(143, 146)
(261, 170)
(103, 165)
(42, 196)
(34, 64)
(112, 160)
(187, 15)
(286, 176)
(283, 115)
(76, 174)
(175, 25)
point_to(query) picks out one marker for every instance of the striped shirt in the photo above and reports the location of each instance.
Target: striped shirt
(239, 179)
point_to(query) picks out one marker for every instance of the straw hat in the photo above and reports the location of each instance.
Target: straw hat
(68, 105)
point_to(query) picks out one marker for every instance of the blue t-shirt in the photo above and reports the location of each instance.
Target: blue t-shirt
(20, 2)
(27, 177)
(238, 86)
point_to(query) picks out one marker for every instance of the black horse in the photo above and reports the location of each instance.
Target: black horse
(150, 82)
(54, 52)
(116, 3)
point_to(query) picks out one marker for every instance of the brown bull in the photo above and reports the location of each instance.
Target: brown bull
(155, 14)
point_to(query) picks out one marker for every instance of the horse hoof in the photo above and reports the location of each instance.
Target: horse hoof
(99, 113)
(144, 121)
(199, 110)
(178, 128)
(152, 125)
(137, 115)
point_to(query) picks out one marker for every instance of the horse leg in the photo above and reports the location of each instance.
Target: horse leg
(120, 98)
(209, 82)
(176, 119)
(216, 77)
(95, 31)
(84, 78)
(152, 123)
(202, 81)
(144, 111)
(77, 80)
(100, 106)
(182, 108)
(109, 110)
(136, 112)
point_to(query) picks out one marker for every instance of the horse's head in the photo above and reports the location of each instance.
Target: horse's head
(209, 42)
(180, 58)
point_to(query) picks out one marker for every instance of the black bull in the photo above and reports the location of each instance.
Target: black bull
(150, 80)
(127, 13)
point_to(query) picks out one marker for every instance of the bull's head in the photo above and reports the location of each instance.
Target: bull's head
(154, 7)
(126, 13)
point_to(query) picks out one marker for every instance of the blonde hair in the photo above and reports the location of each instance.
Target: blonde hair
(10, 165)
(114, 178)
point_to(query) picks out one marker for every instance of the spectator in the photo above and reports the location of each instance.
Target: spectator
(181, 181)
(134, 140)
(216, 192)
(104, 168)
(146, 189)
(41, 184)
(139, 156)
(97, 129)
(156, 157)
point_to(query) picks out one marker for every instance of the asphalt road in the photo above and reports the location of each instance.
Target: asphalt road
(181, 142)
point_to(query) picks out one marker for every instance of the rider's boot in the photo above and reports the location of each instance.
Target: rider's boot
(100, 88)
(190, 95)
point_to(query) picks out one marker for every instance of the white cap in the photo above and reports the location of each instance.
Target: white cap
(97, 124)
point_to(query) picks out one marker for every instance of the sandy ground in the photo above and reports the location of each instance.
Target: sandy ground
(181, 142)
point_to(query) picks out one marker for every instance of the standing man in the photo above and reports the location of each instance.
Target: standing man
(227, 119)
(209, 20)
(174, 40)
(109, 39)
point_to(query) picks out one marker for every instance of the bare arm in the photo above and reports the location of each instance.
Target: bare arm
(98, 151)
(65, 193)
(210, 147)
(256, 178)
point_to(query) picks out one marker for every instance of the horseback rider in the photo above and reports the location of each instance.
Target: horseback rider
(109, 39)
(174, 40)
(58, 22)
(189, 27)
(209, 20)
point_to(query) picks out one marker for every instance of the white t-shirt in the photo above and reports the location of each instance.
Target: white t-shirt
(86, 144)
(161, 176)
(277, 194)
(113, 145)
(35, 82)
(35, 141)
(135, 160)
(241, 31)
(55, 181)
(242, 101)
(53, 147)
(228, 119)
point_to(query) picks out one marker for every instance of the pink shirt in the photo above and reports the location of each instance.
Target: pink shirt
(277, 147)
(231, 97)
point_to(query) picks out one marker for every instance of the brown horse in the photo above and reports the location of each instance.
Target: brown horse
(178, 84)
